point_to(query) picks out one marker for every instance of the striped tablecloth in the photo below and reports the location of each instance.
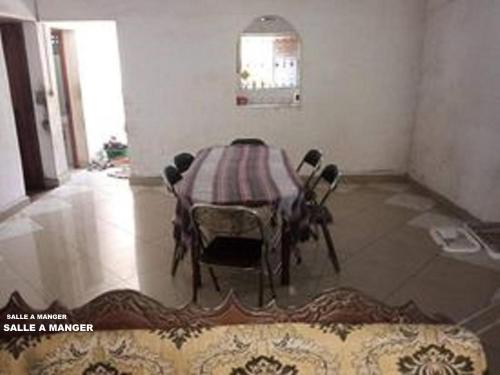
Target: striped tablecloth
(247, 175)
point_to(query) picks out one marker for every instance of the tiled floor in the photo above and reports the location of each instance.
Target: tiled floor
(97, 233)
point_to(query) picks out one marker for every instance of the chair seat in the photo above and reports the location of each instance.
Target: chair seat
(233, 252)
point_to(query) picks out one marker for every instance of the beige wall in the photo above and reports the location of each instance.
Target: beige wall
(456, 148)
(12, 189)
(360, 69)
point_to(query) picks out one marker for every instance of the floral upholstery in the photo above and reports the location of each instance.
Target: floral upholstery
(277, 349)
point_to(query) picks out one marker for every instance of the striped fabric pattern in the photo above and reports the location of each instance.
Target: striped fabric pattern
(246, 175)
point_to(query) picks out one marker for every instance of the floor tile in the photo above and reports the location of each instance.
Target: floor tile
(346, 188)
(69, 190)
(45, 206)
(429, 220)
(493, 358)
(345, 205)
(32, 297)
(160, 286)
(355, 232)
(100, 234)
(18, 227)
(135, 259)
(450, 287)
(411, 201)
(490, 334)
(480, 259)
(391, 187)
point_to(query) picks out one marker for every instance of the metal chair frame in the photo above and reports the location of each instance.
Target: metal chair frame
(248, 141)
(313, 153)
(319, 210)
(183, 161)
(201, 242)
(171, 176)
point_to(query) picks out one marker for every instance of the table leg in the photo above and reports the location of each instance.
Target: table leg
(285, 256)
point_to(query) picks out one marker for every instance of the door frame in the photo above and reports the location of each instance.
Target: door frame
(16, 60)
(66, 89)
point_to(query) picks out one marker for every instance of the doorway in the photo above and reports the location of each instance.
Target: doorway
(16, 61)
(70, 103)
(88, 76)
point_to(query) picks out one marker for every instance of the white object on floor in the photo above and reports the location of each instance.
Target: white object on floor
(429, 220)
(411, 201)
(454, 239)
(391, 187)
(45, 206)
(18, 227)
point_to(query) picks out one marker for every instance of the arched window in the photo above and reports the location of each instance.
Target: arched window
(268, 63)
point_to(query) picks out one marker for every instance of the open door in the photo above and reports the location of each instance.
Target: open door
(70, 97)
(22, 100)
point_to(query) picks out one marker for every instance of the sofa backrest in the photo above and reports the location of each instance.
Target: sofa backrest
(280, 348)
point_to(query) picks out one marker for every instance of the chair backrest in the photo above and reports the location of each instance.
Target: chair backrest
(313, 158)
(248, 141)
(215, 220)
(183, 161)
(331, 175)
(171, 176)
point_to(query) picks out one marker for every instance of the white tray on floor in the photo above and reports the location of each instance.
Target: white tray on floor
(454, 239)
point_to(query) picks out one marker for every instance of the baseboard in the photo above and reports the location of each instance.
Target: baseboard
(354, 178)
(51, 183)
(359, 179)
(145, 181)
(14, 207)
(373, 178)
(455, 209)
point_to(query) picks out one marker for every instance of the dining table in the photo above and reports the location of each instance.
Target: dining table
(253, 176)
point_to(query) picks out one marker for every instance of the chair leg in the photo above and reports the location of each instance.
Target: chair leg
(195, 282)
(261, 288)
(331, 248)
(177, 258)
(270, 277)
(214, 278)
(196, 274)
(285, 258)
(298, 255)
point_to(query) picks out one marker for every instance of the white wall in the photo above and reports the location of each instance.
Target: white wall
(11, 174)
(456, 149)
(360, 69)
(19, 9)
